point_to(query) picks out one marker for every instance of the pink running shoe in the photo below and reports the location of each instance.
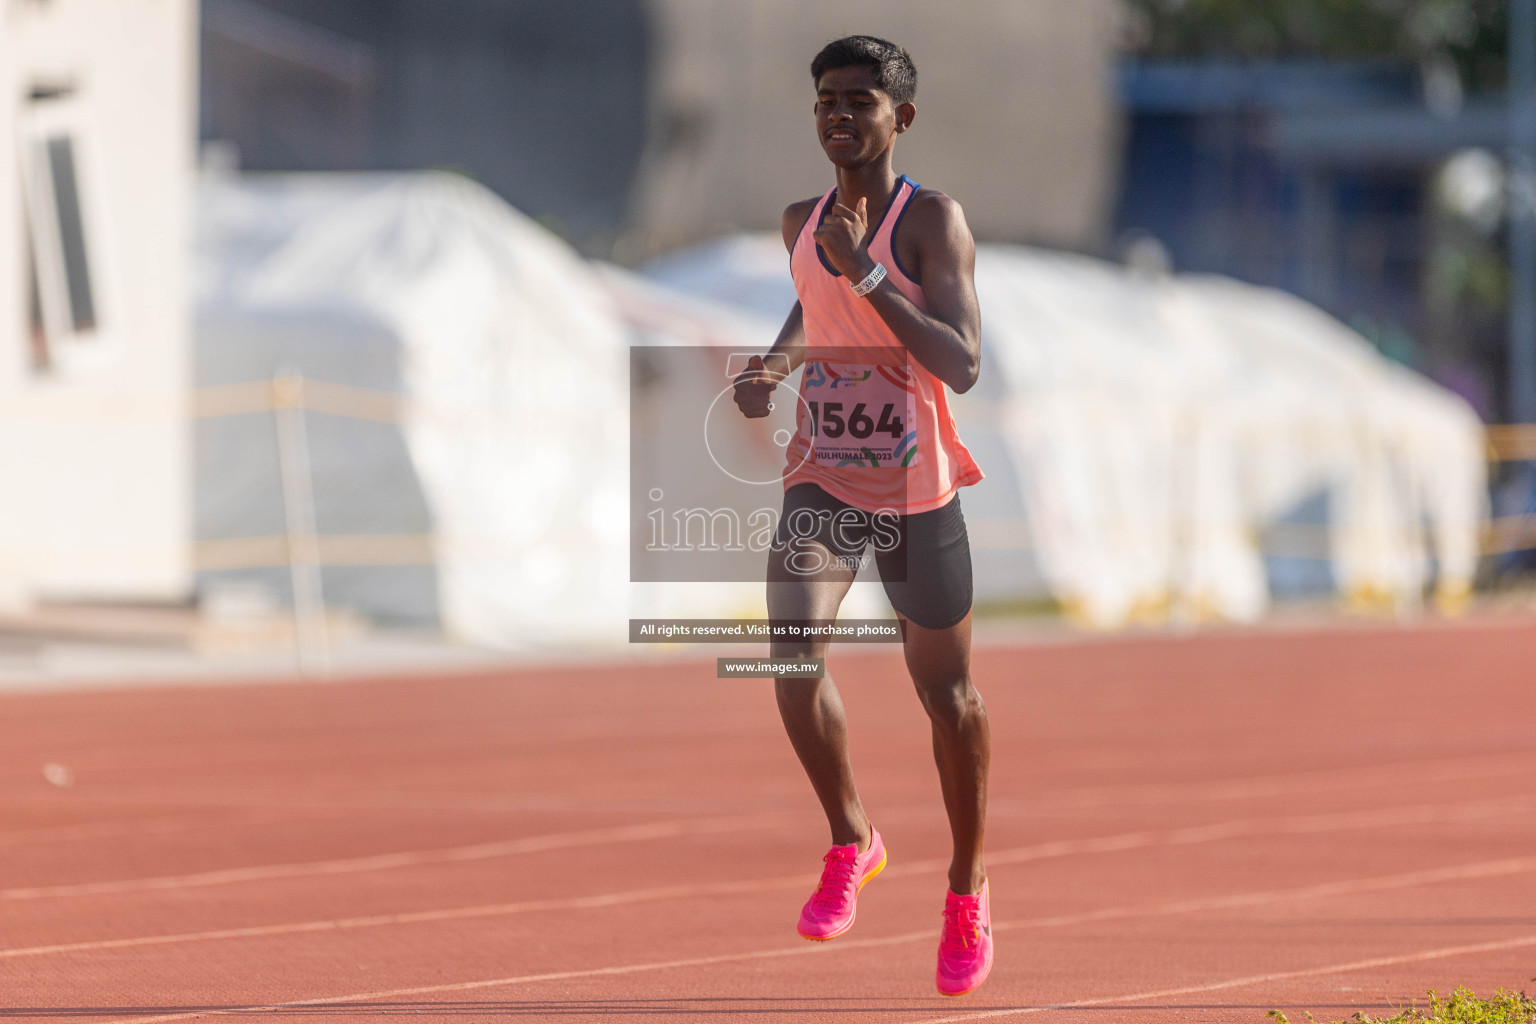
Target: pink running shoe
(830, 910)
(965, 951)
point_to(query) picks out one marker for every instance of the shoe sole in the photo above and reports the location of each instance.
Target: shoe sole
(862, 883)
(973, 988)
(981, 981)
(956, 995)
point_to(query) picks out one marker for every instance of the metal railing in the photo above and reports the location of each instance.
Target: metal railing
(288, 396)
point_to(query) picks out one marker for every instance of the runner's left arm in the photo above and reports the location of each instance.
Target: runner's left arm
(946, 339)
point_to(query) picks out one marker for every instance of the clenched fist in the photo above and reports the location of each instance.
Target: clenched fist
(754, 388)
(842, 237)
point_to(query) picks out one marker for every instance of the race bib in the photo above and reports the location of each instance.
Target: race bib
(859, 414)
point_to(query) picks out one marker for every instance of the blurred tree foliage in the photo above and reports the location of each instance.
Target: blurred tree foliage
(1471, 33)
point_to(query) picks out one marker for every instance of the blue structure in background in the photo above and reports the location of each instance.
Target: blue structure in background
(1309, 176)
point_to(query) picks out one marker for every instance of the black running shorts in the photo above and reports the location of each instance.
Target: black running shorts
(924, 559)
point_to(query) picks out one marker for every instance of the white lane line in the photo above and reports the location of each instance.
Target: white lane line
(1407, 880)
(1240, 828)
(1018, 855)
(133, 828)
(409, 858)
(1399, 773)
(1252, 979)
(1459, 872)
(260, 811)
(1396, 773)
(231, 797)
(425, 916)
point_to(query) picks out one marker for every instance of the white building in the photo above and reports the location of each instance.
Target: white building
(97, 128)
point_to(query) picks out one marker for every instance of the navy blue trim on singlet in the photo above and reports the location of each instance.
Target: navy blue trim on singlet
(821, 254)
(796, 243)
(895, 255)
(873, 231)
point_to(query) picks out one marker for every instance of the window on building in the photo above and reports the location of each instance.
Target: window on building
(65, 316)
(65, 185)
(37, 331)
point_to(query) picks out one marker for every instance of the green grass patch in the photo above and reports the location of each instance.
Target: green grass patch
(1460, 1007)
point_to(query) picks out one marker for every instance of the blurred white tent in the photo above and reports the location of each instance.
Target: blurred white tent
(1145, 434)
(467, 376)
(1142, 435)
(509, 447)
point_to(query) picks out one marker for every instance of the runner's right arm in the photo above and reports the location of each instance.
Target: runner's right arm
(753, 389)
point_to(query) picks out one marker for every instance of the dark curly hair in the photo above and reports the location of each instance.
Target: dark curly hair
(894, 71)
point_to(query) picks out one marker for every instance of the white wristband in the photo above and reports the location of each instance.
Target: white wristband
(871, 282)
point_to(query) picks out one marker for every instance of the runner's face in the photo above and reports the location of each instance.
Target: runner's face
(855, 118)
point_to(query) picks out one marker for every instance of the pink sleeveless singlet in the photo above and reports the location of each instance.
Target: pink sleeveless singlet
(874, 427)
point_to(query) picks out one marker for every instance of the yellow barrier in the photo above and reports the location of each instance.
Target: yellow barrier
(1512, 442)
(1505, 443)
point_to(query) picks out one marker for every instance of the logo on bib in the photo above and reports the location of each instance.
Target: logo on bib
(858, 414)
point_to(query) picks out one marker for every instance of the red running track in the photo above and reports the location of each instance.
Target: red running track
(1182, 829)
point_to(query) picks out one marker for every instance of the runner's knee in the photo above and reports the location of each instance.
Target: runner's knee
(950, 699)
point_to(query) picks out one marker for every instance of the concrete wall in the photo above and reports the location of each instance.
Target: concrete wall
(542, 100)
(94, 446)
(1015, 113)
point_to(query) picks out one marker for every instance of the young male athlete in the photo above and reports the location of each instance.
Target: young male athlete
(886, 318)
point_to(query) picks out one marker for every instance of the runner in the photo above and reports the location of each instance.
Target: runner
(886, 318)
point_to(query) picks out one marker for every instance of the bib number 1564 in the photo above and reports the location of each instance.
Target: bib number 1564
(827, 418)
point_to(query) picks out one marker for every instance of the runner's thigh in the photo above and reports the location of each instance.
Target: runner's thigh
(812, 563)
